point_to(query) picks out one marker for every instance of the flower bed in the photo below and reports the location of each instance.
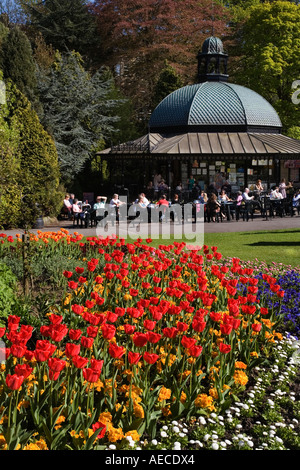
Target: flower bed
(142, 336)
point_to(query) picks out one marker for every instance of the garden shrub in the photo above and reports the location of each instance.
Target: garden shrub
(8, 298)
(29, 172)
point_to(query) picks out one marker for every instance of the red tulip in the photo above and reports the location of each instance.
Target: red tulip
(116, 351)
(89, 304)
(112, 317)
(78, 309)
(73, 285)
(53, 375)
(58, 332)
(140, 339)
(108, 331)
(14, 381)
(256, 327)
(68, 274)
(133, 358)
(120, 311)
(153, 338)
(79, 270)
(170, 332)
(2, 332)
(129, 329)
(56, 365)
(182, 326)
(45, 330)
(92, 331)
(87, 342)
(150, 358)
(187, 342)
(195, 351)
(17, 350)
(23, 369)
(72, 349)
(249, 309)
(43, 350)
(97, 364)
(55, 319)
(79, 361)
(226, 328)
(13, 322)
(264, 311)
(224, 348)
(149, 324)
(91, 375)
(101, 426)
(236, 323)
(215, 316)
(198, 325)
(75, 334)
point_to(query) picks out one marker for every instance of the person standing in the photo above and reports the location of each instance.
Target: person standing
(99, 208)
(283, 187)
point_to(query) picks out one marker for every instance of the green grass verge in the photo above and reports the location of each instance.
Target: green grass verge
(281, 246)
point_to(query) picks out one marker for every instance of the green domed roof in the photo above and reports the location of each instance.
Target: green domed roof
(214, 106)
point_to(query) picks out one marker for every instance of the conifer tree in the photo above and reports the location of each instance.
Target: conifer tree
(168, 81)
(66, 25)
(77, 111)
(17, 63)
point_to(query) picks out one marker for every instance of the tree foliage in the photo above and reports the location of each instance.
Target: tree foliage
(168, 81)
(268, 50)
(65, 25)
(138, 36)
(77, 110)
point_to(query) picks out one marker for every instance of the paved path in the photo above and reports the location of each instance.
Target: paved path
(257, 224)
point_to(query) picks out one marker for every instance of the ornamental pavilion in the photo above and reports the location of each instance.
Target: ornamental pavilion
(207, 129)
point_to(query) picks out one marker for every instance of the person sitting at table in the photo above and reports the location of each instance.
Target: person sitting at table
(176, 210)
(163, 204)
(258, 186)
(276, 195)
(77, 212)
(239, 200)
(68, 205)
(86, 211)
(202, 198)
(223, 197)
(142, 208)
(246, 196)
(142, 197)
(296, 201)
(247, 199)
(213, 207)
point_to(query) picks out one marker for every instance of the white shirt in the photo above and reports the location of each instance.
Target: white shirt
(276, 195)
(247, 197)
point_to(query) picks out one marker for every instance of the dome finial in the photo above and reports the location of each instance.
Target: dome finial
(212, 61)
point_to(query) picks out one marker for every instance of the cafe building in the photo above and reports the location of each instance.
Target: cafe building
(213, 130)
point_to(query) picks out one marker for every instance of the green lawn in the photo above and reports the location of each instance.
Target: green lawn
(281, 246)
